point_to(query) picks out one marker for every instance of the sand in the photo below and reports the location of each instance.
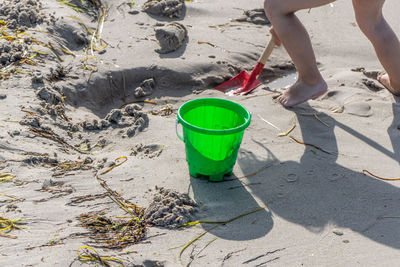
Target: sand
(79, 110)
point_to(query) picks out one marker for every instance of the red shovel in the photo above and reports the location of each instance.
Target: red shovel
(244, 83)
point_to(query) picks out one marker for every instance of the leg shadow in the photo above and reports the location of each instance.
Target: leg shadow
(394, 129)
(317, 192)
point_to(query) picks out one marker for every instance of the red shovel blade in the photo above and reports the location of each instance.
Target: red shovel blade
(243, 83)
(238, 81)
(252, 82)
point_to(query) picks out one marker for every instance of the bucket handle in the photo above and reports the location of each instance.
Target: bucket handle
(176, 129)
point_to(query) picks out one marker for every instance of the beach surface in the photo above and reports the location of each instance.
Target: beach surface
(89, 157)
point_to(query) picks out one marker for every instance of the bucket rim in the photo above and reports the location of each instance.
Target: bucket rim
(213, 131)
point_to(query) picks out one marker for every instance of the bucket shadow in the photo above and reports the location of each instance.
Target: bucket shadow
(226, 200)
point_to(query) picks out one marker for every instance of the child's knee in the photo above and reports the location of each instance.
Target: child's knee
(272, 7)
(367, 24)
(368, 15)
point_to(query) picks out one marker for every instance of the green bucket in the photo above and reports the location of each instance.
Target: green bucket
(212, 132)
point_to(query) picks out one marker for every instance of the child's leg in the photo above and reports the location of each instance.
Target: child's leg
(295, 39)
(387, 46)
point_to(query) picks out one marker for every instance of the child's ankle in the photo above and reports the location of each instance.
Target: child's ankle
(395, 86)
(311, 79)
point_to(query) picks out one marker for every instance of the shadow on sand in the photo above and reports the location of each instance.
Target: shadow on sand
(315, 193)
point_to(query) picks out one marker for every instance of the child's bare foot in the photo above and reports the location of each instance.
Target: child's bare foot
(384, 79)
(301, 92)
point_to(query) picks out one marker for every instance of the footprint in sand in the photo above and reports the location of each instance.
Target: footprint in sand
(360, 109)
(147, 151)
(372, 82)
(334, 177)
(291, 178)
(372, 85)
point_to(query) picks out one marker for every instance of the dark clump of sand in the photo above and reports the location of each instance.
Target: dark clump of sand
(130, 117)
(22, 14)
(145, 89)
(256, 16)
(166, 8)
(18, 16)
(171, 37)
(13, 52)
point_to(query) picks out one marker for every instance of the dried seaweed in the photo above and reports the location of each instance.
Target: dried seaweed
(205, 42)
(311, 145)
(89, 254)
(89, 7)
(296, 140)
(109, 233)
(69, 166)
(6, 177)
(96, 9)
(49, 134)
(96, 37)
(59, 73)
(192, 257)
(287, 132)
(116, 164)
(80, 199)
(10, 225)
(113, 234)
(57, 189)
(218, 224)
(380, 178)
(11, 198)
(213, 45)
(53, 242)
(315, 115)
(263, 255)
(268, 261)
(251, 174)
(229, 255)
(52, 48)
(124, 204)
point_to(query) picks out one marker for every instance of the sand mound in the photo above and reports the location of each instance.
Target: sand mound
(169, 208)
